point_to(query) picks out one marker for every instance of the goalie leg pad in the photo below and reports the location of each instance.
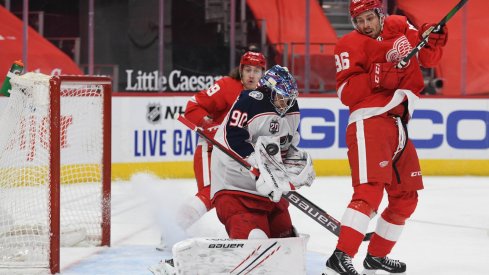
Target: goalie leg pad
(256, 256)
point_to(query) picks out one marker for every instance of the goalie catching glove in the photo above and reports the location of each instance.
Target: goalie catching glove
(273, 180)
(298, 164)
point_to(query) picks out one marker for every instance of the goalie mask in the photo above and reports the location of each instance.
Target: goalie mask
(283, 88)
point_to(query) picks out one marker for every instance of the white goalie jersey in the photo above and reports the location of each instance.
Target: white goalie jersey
(251, 116)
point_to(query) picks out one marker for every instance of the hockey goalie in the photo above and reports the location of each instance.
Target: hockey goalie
(258, 254)
(261, 128)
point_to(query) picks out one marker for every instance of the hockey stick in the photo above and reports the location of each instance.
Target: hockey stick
(435, 29)
(294, 198)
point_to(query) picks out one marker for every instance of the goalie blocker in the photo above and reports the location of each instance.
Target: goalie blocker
(202, 256)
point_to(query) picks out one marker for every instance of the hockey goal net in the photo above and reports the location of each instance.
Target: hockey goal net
(54, 168)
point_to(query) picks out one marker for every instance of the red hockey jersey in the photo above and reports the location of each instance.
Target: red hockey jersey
(356, 53)
(214, 102)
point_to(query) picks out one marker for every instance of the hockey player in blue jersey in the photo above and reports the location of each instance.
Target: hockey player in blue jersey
(250, 207)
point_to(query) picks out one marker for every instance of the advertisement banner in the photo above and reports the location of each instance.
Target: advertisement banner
(451, 135)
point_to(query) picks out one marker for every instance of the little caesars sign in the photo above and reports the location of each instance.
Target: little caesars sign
(153, 81)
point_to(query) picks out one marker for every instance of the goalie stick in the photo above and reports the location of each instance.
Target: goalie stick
(435, 29)
(294, 198)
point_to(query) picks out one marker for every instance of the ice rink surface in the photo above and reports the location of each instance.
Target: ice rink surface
(448, 233)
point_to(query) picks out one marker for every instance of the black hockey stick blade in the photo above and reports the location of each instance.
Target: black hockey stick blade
(438, 26)
(294, 198)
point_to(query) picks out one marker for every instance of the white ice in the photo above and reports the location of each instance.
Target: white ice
(448, 233)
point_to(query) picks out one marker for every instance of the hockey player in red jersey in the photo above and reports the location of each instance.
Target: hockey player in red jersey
(207, 109)
(381, 156)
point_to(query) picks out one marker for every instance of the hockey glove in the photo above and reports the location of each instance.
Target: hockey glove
(299, 167)
(385, 76)
(273, 180)
(436, 39)
(209, 126)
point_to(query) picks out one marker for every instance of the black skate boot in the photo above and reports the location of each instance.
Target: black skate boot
(372, 264)
(340, 263)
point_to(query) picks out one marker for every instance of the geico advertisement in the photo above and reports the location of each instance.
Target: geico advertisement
(145, 129)
(452, 128)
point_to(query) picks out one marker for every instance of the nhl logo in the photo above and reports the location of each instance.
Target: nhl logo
(153, 114)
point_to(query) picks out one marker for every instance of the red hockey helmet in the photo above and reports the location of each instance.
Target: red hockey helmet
(358, 7)
(253, 59)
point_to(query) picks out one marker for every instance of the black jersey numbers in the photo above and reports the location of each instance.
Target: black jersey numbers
(238, 119)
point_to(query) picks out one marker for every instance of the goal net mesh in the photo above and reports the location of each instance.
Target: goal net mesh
(25, 178)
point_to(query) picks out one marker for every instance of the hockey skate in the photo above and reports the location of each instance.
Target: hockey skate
(340, 264)
(165, 267)
(372, 264)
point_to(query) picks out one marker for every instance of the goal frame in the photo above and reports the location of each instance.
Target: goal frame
(55, 161)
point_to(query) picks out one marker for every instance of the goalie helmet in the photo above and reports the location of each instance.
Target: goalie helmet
(253, 59)
(283, 88)
(358, 7)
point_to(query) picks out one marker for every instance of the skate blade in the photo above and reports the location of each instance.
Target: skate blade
(380, 272)
(329, 271)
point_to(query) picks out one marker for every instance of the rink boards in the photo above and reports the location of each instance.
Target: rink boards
(450, 134)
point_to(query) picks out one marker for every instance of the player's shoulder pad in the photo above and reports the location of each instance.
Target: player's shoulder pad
(251, 95)
(254, 102)
(396, 22)
(351, 40)
(257, 95)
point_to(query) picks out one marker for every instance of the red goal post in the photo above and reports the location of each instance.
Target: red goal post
(54, 191)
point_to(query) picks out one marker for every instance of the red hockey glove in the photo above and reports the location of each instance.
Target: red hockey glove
(209, 126)
(438, 39)
(385, 76)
